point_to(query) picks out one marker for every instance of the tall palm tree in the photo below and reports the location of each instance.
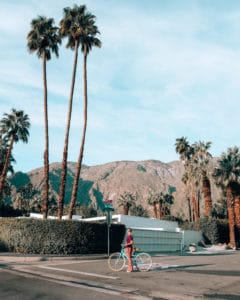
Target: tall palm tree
(201, 159)
(126, 200)
(71, 26)
(185, 180)
(87, 40)
(43, 39)
(185, 151)
(15, 127)
(227, 175)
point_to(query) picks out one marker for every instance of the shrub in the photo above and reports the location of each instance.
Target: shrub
(58, 237)
(214, 230)
(8, 211)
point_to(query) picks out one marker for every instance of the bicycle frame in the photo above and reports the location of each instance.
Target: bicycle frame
(135, 253)
(141, 260)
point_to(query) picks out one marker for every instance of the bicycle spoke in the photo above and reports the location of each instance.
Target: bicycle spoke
(116, 261)
(143, 261)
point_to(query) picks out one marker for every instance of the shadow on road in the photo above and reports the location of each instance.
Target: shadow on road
(222, 296)
(178, 267)
(216, 272)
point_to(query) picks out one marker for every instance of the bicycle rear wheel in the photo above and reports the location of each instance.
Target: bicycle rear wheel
(143, 261)
(116, 261)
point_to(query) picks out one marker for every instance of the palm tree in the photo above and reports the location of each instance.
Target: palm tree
(69, 28)
(15, 127)
(160, 201)
(126, 200)
(185, 180)
(167, 202)
(185, 151)
(3, 153)
(87, 39)
(152, 200)
(201, 159)
(227, 175)
(44, 39)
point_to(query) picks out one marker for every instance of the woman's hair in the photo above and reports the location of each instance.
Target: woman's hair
(129, 229)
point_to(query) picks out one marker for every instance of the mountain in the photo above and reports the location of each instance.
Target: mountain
(110, 180)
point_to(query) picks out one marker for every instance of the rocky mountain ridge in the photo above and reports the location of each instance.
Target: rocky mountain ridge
(110, 180)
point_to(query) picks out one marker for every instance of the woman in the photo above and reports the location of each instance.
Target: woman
(129, 249)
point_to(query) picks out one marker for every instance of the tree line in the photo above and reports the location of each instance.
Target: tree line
(198, 173)
(78, 26)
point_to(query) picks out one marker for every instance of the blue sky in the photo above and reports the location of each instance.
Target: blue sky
(166, 69)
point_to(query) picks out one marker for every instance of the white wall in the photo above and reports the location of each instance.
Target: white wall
(140, 222)
(190, 236)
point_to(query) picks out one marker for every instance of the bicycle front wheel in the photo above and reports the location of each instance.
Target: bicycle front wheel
(116, 261)
(143, 261)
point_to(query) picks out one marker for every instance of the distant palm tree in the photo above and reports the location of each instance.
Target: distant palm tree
(152, 200)
(168, 200)
(160, 200)
(15, 127)
(201, 159)
(138, 211)
(44, 39)
(87, 39)
(227, 175)
(185, 151)
(126, 200)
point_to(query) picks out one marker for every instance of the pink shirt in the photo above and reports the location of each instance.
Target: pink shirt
(129, 238)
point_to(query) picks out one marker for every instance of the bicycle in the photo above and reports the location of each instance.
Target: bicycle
(142, 260)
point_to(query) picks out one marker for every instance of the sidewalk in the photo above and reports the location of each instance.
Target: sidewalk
(10, 257)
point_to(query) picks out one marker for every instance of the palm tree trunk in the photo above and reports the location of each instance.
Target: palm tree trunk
(188, 201)
(45, 158)
(65, 151)
(79, 164)
(195, 209)
(5, 168)
(125, 210)
(237, 210)
(207, 196)
(230, 206)
(160, 210)
(155, 210)
(189, 209)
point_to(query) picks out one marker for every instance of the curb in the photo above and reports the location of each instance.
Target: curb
(15, 258)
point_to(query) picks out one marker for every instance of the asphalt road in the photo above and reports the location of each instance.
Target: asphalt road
(211, 276)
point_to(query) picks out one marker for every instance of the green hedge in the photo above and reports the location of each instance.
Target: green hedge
(58, 237)
(214, 231)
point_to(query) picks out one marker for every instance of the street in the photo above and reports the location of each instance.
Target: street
(209, 276)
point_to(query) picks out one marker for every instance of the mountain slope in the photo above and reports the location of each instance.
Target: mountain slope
(110, 180)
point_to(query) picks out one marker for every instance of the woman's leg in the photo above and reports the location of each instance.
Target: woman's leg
(129, 255)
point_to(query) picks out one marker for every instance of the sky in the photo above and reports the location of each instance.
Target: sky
(166, 69)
